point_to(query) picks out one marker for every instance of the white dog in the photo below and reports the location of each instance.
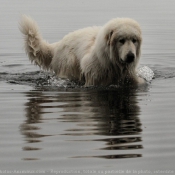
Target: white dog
(94, 55)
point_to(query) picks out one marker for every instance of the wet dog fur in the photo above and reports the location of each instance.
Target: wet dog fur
(95, 56)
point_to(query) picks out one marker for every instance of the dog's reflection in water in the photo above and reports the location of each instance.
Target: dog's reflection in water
(111, 114)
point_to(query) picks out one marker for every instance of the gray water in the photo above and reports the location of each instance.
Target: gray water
(53, 126)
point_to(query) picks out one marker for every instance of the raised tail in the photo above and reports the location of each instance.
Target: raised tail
(39, 51)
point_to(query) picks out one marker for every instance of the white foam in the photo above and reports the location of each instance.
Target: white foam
(146, 73)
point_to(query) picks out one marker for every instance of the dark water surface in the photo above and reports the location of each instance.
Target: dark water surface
(54, 126)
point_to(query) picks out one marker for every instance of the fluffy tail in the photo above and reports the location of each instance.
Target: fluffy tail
(39, 51)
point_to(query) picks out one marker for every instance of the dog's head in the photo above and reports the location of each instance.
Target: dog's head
(123, 40)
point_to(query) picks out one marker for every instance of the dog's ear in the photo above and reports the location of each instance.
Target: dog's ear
(108, 37)
(138, 51)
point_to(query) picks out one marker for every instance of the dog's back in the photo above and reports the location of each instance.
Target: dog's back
(71, 49)
(63, 57)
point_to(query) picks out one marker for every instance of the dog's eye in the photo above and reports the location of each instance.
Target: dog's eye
(134, 40)
(122, 41)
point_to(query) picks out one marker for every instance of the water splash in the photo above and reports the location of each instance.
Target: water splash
(146, 73)
(47, 79)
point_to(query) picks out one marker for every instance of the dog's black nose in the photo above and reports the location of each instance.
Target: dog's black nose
(130, 57)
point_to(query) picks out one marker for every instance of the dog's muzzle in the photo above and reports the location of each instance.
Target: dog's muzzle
(130, 57)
